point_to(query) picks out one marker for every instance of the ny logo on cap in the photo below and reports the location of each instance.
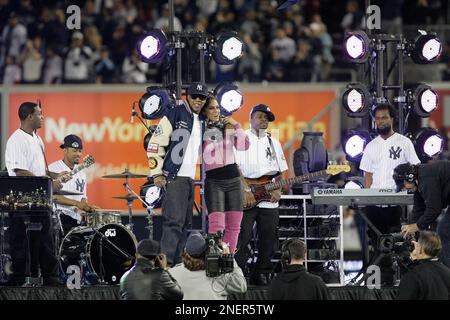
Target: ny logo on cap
(75, 145)
(199, 87)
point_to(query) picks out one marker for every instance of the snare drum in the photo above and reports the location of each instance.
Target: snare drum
(99, 218)
(81, 246)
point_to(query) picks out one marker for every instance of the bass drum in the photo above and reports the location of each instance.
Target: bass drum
(81, 246)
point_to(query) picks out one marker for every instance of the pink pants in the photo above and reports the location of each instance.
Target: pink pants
(229, 222)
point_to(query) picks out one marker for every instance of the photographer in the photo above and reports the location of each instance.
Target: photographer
(429, 279)
(431, 186)
(294, 282)
(191, 274)
(149, 278)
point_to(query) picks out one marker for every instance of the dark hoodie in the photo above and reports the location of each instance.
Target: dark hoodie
(295, 283)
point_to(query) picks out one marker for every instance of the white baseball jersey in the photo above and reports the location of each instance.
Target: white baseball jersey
(382, 156)
(258, 160)
(78, 183)
(25, 151)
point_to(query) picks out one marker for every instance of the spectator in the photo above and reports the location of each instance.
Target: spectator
(163, 22)
(104, 67)
(352, 20)
(32, 61)
(301, 64)
(249, 68)
(276, 68)
(13, 38)
(319, 31)
(76, 64)
(284, 45)
(294, 282)
(134, 70)
(12, 74)
(207, 7)
(192, 277)
(53, 67)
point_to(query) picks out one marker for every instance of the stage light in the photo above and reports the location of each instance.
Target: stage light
(356, 100)
(428, 143)
(228, 47)
(427, 48)
(357, 46)
(152, 46)
(155, 103)
(354, 143)
(423, 99)
(229, 98)
(354, 182)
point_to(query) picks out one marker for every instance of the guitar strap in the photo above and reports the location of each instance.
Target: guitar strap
(273, 151)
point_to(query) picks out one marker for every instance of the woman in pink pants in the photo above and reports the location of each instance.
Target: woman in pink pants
(223, 186)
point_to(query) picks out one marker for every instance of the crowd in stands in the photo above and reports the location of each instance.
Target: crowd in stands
(301, 43)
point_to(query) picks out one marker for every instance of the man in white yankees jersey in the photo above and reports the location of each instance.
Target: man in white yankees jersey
(72, 207)
(380, 157)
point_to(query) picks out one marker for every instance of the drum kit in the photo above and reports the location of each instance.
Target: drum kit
(104, 248)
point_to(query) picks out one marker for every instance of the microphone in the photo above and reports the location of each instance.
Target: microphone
(133, 112)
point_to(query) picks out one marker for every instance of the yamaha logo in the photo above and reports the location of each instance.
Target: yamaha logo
(332, 191)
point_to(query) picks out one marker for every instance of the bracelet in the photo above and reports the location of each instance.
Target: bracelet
(247, 190)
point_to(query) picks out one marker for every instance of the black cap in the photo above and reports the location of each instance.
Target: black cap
(72, 141)
(265, 109)
(198, 88)
(196, 245)
(403, 172)
(148, 247)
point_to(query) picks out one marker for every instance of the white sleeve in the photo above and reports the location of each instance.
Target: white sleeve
(16, 155)
(280, 155)
(366, 162)
(412, 155)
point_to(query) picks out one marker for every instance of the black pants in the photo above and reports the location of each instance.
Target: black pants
(387, 220)
(266, 227)
(41, 247)
(177, 217)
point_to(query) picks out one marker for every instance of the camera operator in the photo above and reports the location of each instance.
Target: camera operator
(429, 279)
(149, 278)
(294, 282)
(431, 186)
(191, 274)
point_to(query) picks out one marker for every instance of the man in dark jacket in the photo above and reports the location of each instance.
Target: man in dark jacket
(173, 152)
(149, 279)
(429, 279)
(294, 282)
(431, 186)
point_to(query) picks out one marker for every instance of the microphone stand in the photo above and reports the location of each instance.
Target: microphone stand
(149, 210)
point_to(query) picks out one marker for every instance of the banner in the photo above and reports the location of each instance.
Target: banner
(102, 120)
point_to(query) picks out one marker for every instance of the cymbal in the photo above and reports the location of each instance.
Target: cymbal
(124, 175)
(126, 197)
(67, 193)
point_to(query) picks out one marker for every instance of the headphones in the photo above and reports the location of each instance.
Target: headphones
(285, 252)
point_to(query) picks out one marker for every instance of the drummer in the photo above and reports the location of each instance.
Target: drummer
(72, 207)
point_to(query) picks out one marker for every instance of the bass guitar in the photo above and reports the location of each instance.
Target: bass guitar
(263, 186)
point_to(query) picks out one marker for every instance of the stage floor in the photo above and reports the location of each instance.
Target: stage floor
(112, 293)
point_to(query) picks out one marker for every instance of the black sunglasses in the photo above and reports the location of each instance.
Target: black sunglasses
(198, 96)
